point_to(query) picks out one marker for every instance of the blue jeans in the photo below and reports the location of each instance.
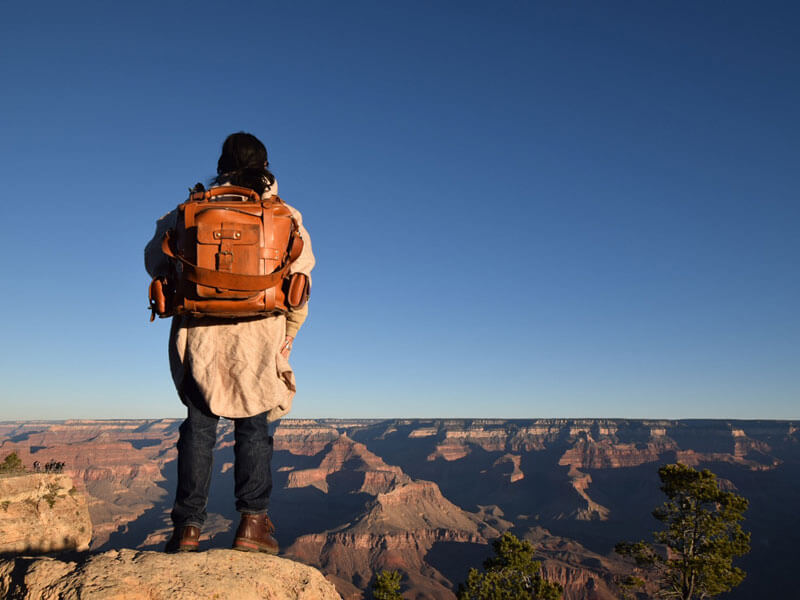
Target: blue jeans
(252, 456)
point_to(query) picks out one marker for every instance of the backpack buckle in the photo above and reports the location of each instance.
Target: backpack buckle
(224, 260)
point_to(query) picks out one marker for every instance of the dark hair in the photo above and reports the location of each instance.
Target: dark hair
(243, 162)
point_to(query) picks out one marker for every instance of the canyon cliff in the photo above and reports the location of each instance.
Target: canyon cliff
(118, 464)
(42, 512)
(426, 497)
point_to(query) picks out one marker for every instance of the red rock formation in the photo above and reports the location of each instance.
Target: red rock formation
(516, 473)
(580, 481)
(584, 575)
(377, 475)
(449, 450)
(303, 437)
(491, 440)
(423, 432)
(606, 454)
(396, 532)
(692, 458)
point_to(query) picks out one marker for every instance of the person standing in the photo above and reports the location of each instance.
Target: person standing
(234, 368)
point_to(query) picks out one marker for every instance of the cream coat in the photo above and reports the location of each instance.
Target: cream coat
(236, 364)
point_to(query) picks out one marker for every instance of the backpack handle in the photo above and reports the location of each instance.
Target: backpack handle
(225, 190)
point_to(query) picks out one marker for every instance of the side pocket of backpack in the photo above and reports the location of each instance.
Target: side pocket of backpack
(158, 301)
(298, 290)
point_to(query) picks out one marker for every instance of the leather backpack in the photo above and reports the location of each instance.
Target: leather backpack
(231, 252)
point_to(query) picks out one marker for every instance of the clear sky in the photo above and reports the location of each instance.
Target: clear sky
(519, 209)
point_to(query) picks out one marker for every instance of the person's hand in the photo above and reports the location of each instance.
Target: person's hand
(286, 349)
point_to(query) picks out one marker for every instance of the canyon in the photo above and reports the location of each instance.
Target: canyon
(427, 497)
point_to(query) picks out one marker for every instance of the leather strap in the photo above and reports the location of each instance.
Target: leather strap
(225, 190)
(295, 244)
(233, 281)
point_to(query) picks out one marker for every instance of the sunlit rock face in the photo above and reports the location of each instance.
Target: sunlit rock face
(42, 512)
(194, 576)
(118, 463)
(427, 497)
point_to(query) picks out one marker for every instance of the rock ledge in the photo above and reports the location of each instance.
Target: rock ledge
(134, 575)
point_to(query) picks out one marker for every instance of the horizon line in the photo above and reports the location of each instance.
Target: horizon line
(380, 419)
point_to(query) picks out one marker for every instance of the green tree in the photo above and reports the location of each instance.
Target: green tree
(387, 586)
(12, 464)
(701, 536)
(511, 574)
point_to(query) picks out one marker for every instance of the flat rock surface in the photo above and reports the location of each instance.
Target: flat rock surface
(133, 575)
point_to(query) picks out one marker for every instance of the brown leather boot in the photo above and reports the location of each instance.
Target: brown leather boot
(254, 534)
(184, 539)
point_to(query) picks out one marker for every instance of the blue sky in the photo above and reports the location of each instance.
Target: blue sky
(519, 209)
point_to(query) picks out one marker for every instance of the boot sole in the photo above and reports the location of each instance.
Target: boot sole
(248, 546)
